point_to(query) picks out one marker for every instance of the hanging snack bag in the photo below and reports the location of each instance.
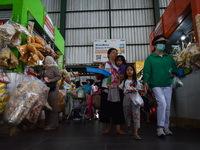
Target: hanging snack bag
(3, 97)
(26, 95)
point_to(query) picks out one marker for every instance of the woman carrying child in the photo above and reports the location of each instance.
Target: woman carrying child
(111, 105)
(130, 86)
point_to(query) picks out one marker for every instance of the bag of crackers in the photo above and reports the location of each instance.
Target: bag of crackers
(28, 92)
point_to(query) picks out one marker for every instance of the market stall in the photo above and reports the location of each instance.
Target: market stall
(26, 38)
(180, 23)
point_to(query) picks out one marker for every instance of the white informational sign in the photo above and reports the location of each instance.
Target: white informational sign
(101, 47)
(48, 26)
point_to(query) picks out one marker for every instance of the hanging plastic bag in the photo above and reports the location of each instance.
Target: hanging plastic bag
(137, 99)
(177, 82)
(4, 78)
(28, 92)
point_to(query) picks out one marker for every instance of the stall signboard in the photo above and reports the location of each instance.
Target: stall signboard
(101, 47)
(48, 26)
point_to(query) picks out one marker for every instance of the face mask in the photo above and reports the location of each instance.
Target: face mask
(160, 47)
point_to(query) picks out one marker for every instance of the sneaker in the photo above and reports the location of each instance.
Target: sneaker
(77, 119)
(137, 137)
(167, 131)
(160, 132)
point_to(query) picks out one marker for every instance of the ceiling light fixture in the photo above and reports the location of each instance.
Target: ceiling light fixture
(183, 37)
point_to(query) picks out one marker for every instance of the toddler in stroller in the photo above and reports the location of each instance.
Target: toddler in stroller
(77, 104)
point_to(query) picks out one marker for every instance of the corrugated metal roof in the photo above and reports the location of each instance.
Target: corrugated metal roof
(76, 5)
(85, 36)
(162, 12)
(137, 35)
(51, 5)
(132, 17)
(137, 53)
(77, 55)
(87, 19)
(55, 18)
(83, 26)
(164, 3)
(122, 4)
(5, 14)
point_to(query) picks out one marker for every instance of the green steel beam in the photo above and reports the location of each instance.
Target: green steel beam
(63, 18)
(156, 11)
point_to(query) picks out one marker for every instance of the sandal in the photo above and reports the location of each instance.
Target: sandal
(106, 131)
(49, 128)
(120, 132)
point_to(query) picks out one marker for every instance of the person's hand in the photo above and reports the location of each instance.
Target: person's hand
(146, 87)
(174, 75)
(47, 80)
(121, 76)
(135, 90)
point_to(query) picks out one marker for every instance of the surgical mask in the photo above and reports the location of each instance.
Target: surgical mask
(160, 47)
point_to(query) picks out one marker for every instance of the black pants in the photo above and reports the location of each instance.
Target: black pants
(146, 104)
(110, 110)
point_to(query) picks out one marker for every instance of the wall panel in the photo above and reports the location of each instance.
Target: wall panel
(87, 19)
(124, 4)
(85, 36)
(77, 5)
(52, 5)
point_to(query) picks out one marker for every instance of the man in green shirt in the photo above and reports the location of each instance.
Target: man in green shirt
(159, 69)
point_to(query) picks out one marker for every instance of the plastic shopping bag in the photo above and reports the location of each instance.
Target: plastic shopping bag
(4, 78)
(137, 99)
(177, 82)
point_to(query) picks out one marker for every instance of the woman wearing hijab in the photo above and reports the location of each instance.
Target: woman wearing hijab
(51, 77)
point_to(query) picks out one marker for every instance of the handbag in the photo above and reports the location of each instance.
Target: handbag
(96, 100)
(51, 85)
(177, 82)
(137, 99)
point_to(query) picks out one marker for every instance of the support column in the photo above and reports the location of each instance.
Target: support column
(156, 11)
(63, 18)
(62, 29)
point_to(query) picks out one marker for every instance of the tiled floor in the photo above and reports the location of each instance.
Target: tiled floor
(77, 136)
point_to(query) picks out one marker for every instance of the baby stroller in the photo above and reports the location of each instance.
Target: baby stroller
(76, 103)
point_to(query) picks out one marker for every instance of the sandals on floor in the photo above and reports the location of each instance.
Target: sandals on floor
(120, 132)
(49, 128)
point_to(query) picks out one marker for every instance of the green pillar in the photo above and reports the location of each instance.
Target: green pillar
(156, 11)
(63, 18)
